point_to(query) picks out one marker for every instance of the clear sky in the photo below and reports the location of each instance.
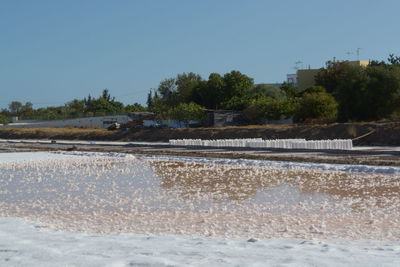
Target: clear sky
(52, 51)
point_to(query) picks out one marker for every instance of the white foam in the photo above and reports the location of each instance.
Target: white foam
(29, 244)
(287, 164)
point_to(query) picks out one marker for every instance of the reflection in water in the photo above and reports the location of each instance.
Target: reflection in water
(111, 194)
(240, 182)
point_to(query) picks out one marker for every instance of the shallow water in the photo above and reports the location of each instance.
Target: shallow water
(161, 195)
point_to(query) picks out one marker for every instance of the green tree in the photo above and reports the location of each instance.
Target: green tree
(3, 119)
(210, 93)
(104, 105)
(136, 107)
(267, 90)
(186, 111)
(312, 90)
(332, 75)
(289, 90)
(149, 101)
(382, 94)
(15, 107)
(27, 111)
(185, 86)
(316, 106)
(363, 93)
(236, 103)
(159, 108)
(75, 108)
(167, 90)
(267, 108)
(237, 85)
(106, 95)
(394, 60)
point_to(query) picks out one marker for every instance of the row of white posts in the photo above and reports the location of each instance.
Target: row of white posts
(336, 144)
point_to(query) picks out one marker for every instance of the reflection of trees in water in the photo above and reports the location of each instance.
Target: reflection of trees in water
(222, 181)
(238, 182)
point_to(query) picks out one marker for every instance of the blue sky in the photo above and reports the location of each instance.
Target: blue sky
(54, 51)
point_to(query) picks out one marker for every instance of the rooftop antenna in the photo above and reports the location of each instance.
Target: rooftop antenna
(358, 53)
(348, 54)
(297, 65)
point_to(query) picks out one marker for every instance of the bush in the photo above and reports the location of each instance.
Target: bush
(186, 112)
(268, 108)
(316, 107)
(4, 119)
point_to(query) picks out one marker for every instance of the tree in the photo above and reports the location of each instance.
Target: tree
(15, 107)
(268, 108)
(75, 108)
(382, 94)
(186, 112)
(168, 91)
(106, 95)
(159, 108)
(3, 119)
(236, 103)
(289, 90)
(312, 90)
(149, 98)
(217, 92)
(331, 76)
(185, 85)
(267, 90)
(237, 85)
(210, 93)
(364, 93)
(27, 111)
(136, 107)
(104, 105)
(316, 106)
(394, 60)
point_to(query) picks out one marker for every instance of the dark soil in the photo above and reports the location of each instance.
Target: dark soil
(371, 134)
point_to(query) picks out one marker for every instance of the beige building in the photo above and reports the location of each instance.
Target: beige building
(306, 77)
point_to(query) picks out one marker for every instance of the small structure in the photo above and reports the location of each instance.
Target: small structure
(14, 119)
(220, 118)
(102, 121)
(292, 79)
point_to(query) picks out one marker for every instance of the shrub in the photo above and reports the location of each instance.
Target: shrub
(3, 119)
(316, 107)
(186, 112)
(268, 108)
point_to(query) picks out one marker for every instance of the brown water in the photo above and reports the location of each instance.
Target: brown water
(161, 196)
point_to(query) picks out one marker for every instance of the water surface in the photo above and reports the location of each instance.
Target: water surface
(94, 192)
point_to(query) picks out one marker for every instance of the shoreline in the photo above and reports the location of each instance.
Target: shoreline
(378, 156)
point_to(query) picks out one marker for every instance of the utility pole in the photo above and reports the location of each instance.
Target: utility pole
(358, 53)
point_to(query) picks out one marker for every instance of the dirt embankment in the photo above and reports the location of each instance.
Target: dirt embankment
(66, 133)
(362, 133)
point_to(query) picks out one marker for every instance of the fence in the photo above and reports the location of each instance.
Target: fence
(336, 144)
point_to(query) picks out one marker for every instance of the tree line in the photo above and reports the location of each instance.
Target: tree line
(343, 92)
(90, 106)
